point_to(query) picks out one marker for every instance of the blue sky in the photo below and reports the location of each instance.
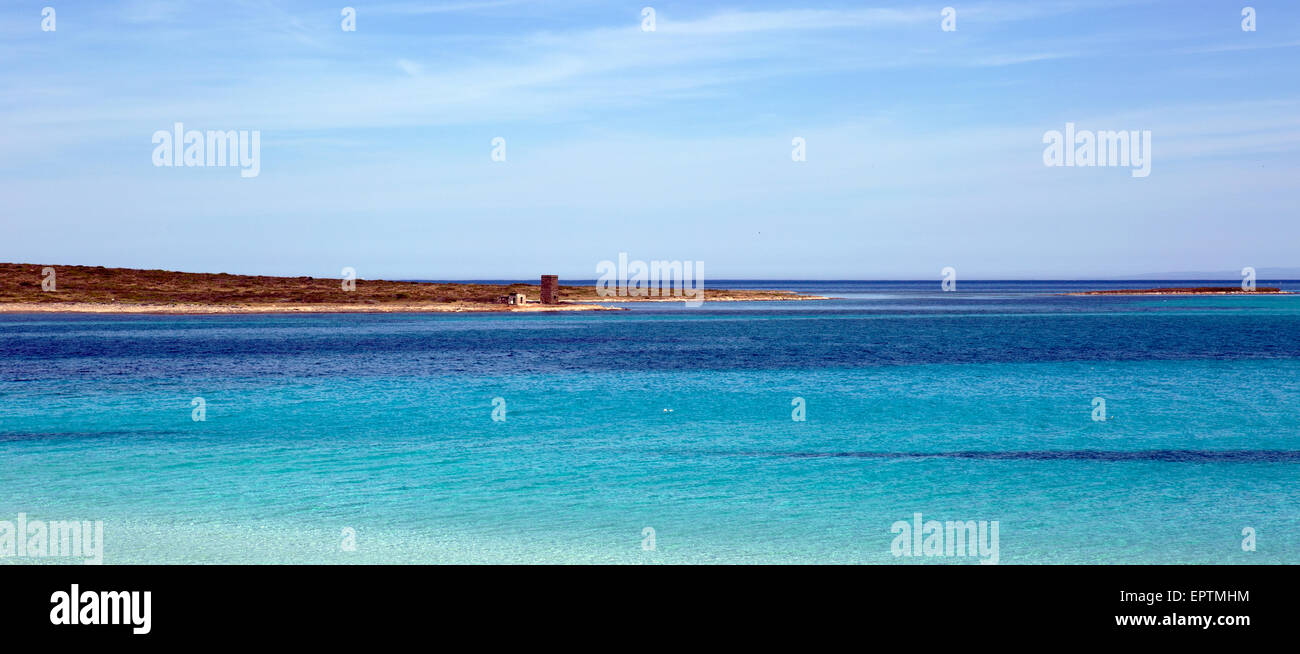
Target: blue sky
(924, 147)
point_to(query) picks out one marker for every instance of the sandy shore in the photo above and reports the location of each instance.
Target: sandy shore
(437, 307)
(122, 307)
(722, 296)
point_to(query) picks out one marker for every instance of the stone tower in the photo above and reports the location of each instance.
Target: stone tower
(550, 289)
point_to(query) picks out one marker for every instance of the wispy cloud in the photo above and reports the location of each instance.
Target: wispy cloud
(409, 67)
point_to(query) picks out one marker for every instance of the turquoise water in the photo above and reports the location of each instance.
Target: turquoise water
(969, 406)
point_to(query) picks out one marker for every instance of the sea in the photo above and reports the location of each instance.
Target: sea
(856, 430)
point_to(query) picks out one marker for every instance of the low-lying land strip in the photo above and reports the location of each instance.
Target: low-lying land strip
(1197, 290)
(92, 289)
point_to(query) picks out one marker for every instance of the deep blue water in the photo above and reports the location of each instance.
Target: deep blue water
(973, 405)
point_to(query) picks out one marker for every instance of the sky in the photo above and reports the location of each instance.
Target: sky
(923, 147)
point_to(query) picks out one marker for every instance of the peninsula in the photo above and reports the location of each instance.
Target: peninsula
(36, 288)
(1197, 290)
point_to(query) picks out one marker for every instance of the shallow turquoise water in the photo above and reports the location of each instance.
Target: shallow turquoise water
(966, 409)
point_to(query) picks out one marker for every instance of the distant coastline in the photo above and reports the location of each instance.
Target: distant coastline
(90, 289)
(1198, 290)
